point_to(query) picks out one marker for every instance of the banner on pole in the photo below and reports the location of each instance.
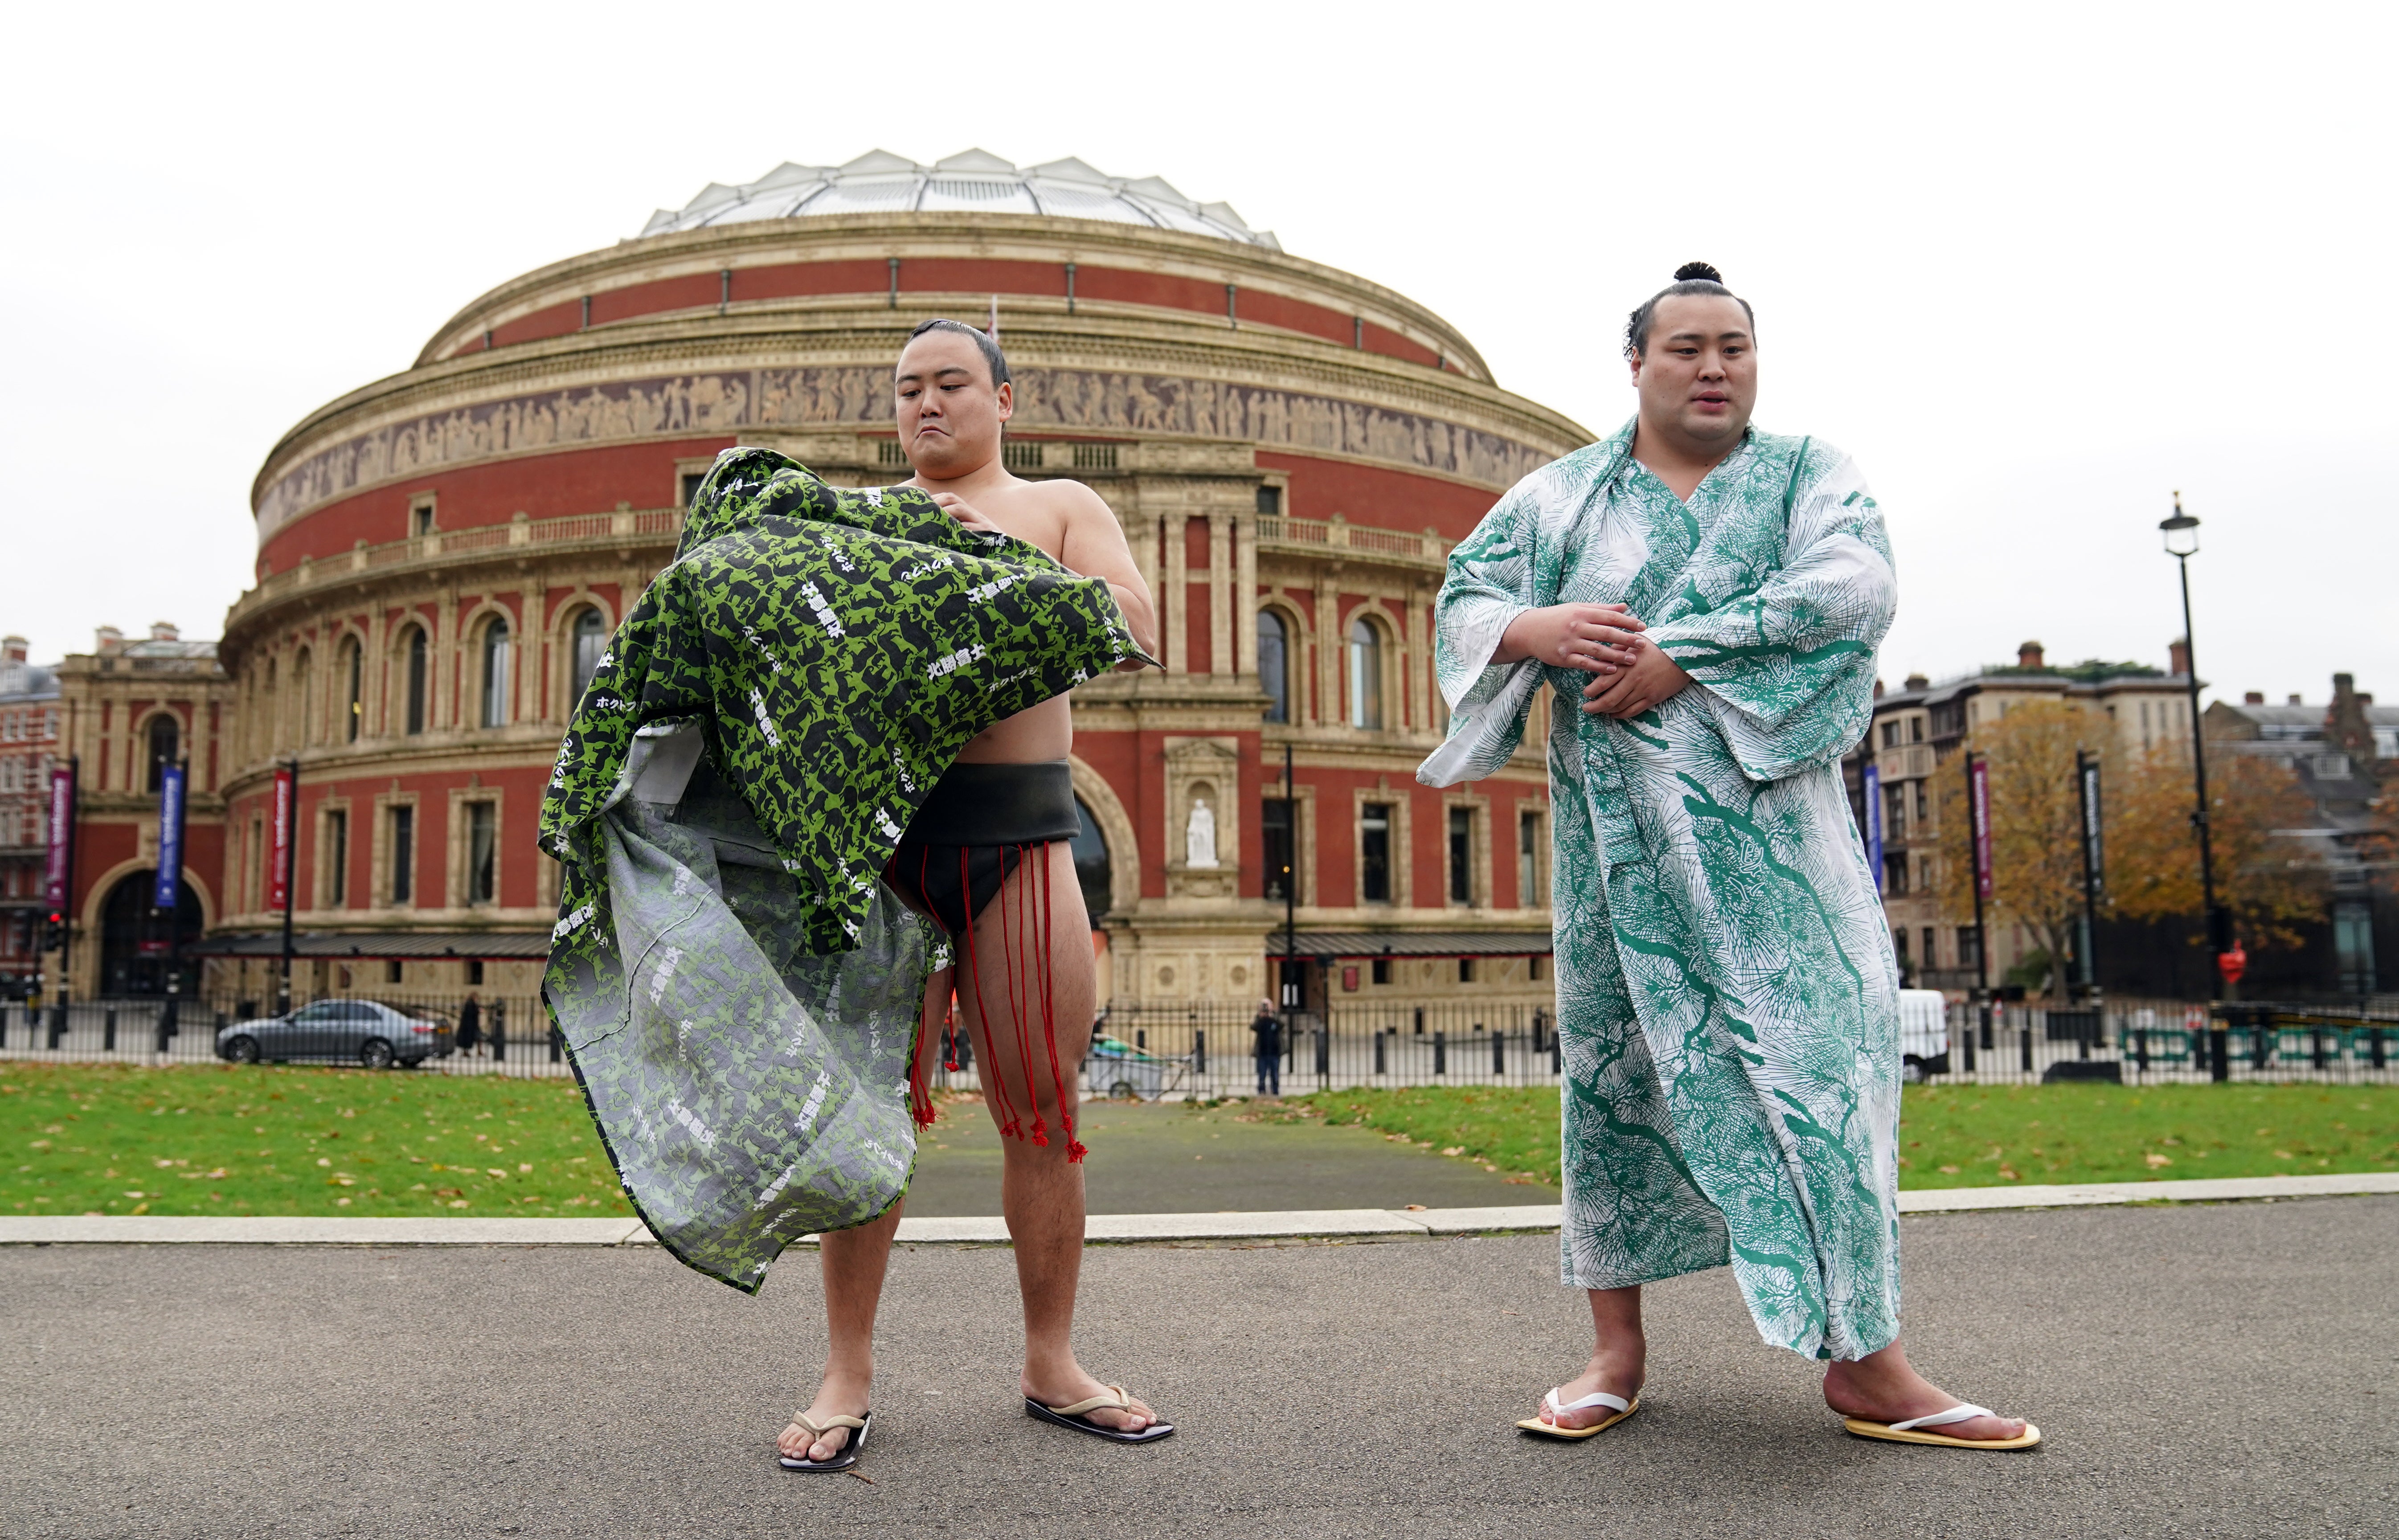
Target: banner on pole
(279, 855)
(62, 840)
(169, 890)
(2095, 865)
(1873, 779)
(1978, 797)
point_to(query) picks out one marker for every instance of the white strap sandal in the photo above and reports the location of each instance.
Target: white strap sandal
(1911, 1431)
(843, 1457)
(1616, 1404)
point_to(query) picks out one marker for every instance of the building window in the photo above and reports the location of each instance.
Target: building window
(496, 659)
(404, 855)
(690, 487)
(1899, 944)
(1533, 967)
(1382, 971)
(591, 641)
(1969, 947)
(1916, 729)
(353, 689)
(1466, 970)
(2332, 766)
(1270, 501)
(1274, 664)
(1461, 855)
(1895, 803)
(337, 859)
(417, 679)
(1365, 675)
(393, 971)
(1890, 734)
(1932, 954)
(1528, 860)
(420, 517)
(483, 853)
(1375, 853)
(166, 746)
(1894, 867)
(1275, 830)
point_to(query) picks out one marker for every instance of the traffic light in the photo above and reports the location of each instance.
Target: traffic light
(54, 931)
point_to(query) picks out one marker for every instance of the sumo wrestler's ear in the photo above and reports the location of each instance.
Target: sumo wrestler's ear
(1007, 394)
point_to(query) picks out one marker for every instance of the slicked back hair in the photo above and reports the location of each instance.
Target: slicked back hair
(989, 349)
(1692, 278)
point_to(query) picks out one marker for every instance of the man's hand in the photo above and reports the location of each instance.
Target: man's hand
(1652, 680)
(964, 512)
(1597, 638)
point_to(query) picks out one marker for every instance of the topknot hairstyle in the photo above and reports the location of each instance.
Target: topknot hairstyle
(990, 350)
(1692, 278)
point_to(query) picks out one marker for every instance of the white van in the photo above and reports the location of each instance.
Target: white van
(1923, 1032)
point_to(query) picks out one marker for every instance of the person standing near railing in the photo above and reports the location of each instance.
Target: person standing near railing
(1727, 995)
(471, 1026)
(1268, 1031)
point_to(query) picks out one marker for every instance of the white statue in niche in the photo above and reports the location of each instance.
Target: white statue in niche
(1199, 836)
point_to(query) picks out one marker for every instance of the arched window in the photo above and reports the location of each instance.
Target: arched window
(353, 689)
(590, 640)
(166, 745)
(1091, 870)
(497, 659)
(269, 720)
(417, 679)
(1365, 675)
(1274, 666)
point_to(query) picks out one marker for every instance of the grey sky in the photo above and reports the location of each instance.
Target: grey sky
(2036, 266)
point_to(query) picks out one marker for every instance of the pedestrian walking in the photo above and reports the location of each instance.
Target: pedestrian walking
(471, 1024)
(1268, 1031)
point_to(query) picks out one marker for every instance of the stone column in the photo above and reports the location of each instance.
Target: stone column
(1245, 594)
(1330, 639)
(1174, 615)
(533, 663)
(1221, 662)
(1417, 650)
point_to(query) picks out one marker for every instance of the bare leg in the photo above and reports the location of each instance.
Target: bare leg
(854, 1261)
(1618, 1357)
(1883, 1387)
(1042, 1192)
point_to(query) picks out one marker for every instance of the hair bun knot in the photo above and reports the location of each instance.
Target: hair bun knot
(1690, 270)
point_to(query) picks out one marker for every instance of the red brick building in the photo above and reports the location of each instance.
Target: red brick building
(1293, 450)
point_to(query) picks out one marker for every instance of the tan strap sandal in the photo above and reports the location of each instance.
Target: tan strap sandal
(1074, 1414)
(844, 1457)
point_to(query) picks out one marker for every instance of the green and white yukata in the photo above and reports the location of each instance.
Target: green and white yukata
(1727, 1000)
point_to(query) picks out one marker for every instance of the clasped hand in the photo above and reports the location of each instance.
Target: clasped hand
(1633, 674)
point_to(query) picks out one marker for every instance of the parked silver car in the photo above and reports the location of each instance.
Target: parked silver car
(358, 1032)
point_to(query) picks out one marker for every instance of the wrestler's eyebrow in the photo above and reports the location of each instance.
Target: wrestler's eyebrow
(946, 368)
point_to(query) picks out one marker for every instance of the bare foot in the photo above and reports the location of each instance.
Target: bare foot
(1075, 1385)
(834, 1398)
(1618, 1372)
(1882, 1387)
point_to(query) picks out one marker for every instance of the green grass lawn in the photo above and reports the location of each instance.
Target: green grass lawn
(1975, 1136)
(227, 1138)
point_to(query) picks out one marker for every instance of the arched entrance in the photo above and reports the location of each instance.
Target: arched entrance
(133, 938)
(1091, 864)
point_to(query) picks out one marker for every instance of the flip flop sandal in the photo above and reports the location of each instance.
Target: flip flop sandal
(1073, 1416)
(1911, 1431)
(844, 1457)
(1616, 1404)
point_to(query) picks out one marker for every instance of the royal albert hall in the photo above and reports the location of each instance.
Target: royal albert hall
(1292, 450)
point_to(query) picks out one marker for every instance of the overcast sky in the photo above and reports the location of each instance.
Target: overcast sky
(2037, 267)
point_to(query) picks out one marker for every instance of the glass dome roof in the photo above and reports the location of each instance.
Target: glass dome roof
(975, 182)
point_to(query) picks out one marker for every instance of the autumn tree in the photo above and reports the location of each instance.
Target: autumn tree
(2271, 883)
(2036, 823)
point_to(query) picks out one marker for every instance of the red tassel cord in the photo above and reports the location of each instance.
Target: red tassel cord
(994, 1084)
(1020, 994)
(1046, 940)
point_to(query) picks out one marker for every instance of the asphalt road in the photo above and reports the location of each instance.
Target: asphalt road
(1163, 1158)
(2203, 1370)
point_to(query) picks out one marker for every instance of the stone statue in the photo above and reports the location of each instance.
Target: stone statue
(1200, 838)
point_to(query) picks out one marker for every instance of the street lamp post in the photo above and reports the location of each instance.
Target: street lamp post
(2181, 533)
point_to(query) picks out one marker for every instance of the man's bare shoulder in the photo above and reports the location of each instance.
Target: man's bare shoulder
(1070, 500)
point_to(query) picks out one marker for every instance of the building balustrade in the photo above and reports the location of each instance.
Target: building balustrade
(568, 531)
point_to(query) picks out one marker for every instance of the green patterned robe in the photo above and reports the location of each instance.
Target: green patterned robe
(738, 989)
(1728, 1006)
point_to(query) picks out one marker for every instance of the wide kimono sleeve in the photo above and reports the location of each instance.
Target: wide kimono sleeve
(1788, 665)
(1492, 580)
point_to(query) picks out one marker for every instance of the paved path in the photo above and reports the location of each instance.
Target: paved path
(1154, 1158)
(2217, 1370)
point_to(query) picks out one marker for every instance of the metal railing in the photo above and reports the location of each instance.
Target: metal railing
(1182, 1050)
